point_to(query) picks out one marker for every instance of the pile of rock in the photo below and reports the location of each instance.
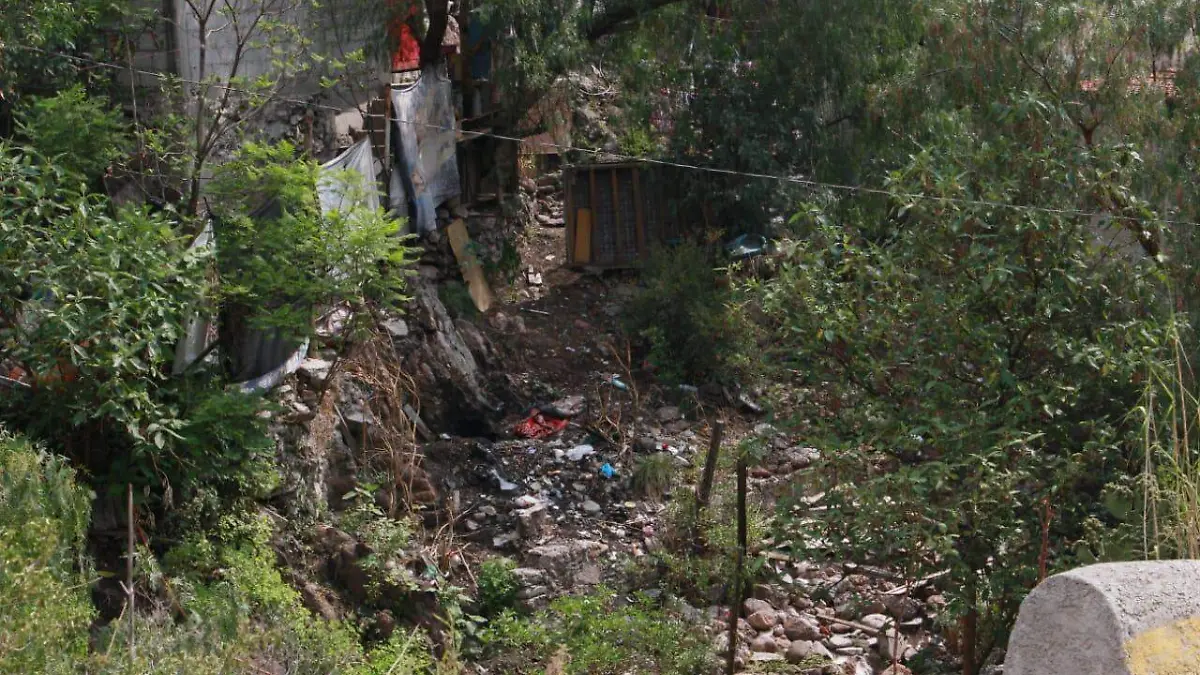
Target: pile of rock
(820, 643)
(542, 199)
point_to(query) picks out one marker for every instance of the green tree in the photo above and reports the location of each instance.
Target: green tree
(978, 362)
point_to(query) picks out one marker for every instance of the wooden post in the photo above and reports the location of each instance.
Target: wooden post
(736, 600)
(387, 134)
(618, 233)
(132, 597)
(595, 210)
(710, 467)
(641, 220)
(568, 181)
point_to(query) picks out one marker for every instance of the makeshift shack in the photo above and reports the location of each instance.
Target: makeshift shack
(616, 212)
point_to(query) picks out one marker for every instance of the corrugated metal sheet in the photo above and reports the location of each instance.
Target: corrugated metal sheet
(616, 212)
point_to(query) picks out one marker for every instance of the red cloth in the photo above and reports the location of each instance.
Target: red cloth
(539, 425)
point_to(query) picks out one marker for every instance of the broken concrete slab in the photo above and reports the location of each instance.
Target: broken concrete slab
(1137, 618)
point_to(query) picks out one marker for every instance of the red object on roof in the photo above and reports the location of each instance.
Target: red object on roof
(408, 48)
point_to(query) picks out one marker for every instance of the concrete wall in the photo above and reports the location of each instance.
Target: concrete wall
(1140, 618)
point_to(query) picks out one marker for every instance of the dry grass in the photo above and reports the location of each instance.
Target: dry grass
(1170, 414)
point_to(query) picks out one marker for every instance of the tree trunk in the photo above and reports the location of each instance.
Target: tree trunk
(438, 12)
(970, 630)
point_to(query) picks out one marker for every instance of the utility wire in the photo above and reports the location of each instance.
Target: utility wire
(804, 182)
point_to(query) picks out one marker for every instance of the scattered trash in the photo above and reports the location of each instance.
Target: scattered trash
(526, 501)
(747, 246)
(689, 389)
(418, 423)
(505, 486)
(533, 277)
(607, 470)
(535, 311)
(539, 425)
(748, 404)
(614, 381)
(505, 539)
(579, 452)
(568, 406)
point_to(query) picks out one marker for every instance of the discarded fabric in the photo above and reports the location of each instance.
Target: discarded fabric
(539, 425)
(427, 166)
(579, 452)
(569, 406)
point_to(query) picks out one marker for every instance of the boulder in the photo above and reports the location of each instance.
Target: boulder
(754, 605)
(763, 620)
(763, 643)
(1136, 618)
(802, 628)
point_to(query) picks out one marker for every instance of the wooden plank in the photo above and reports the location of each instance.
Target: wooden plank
(583, 237)
(641, 219)
(468, 264)
(569, 214)
(618, 231)
(592, 206)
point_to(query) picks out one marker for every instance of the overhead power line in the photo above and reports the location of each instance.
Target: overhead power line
(793, 180)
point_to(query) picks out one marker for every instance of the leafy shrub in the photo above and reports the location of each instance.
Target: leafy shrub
(498, 586)
(92, 301)
(654, 473)
(704, 574)
(83, 134)
(387, 537)
(975, 367)
(602, 636)
(687, 317)
(44, 603)
(281, 258)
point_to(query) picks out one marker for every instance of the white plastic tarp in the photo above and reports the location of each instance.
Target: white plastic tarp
(426, 171)
(199, 330)
(331, 191)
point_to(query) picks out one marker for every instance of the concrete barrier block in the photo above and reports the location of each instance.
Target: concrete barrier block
(1139, 618)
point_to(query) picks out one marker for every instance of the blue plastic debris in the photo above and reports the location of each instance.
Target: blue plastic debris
(607, 471)
(614, 381)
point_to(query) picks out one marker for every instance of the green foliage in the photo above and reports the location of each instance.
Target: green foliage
(1160, 513)
(698, 559)
(236, 610)
(402, 654)
(387, 537)
(36, 36)
(503, 264)
(94, 299)
(282, 256)
(976, 363)
(602, 636)
(688, 318)
(44, 604)
(498, 586)
(456, 297)
(653, 474)
(81, 134)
